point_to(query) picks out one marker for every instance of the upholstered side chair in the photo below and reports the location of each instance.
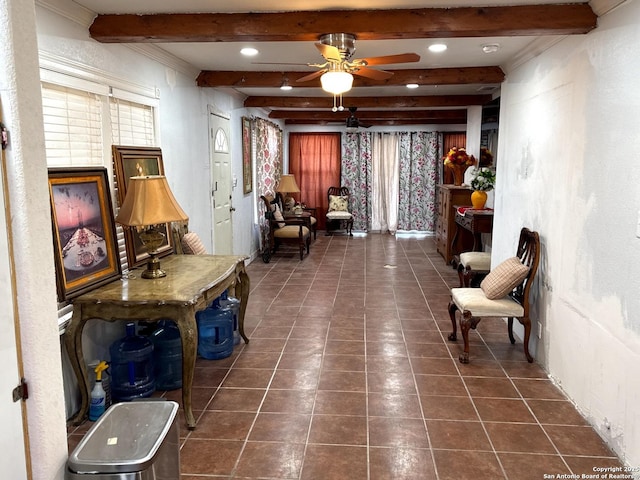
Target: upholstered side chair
(338, 214)
(504, 292)
(281, 230)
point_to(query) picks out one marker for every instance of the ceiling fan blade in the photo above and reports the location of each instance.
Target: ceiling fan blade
(372, 73)
(329, 52)
(311, 76)
(387, 59)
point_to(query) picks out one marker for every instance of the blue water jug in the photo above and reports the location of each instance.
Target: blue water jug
(167, 355)
(215, 333)
(227, 301)
(132, 374)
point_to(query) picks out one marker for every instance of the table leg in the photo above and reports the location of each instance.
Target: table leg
(189, 335)
(73, 344)
(242, 292)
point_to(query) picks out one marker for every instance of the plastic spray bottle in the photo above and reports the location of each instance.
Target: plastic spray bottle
(98, 396)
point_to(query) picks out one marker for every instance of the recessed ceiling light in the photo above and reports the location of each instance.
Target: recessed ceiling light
(249, 51)
(490, 47)
(437, 47)
(412, 85)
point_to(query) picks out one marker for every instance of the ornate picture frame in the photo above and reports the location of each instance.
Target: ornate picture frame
(131, 161)
(247, 170)
(85, 244)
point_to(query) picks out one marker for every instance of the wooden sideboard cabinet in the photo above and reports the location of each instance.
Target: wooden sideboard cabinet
(446, 197)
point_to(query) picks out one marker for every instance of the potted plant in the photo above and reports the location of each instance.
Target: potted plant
(483, 181)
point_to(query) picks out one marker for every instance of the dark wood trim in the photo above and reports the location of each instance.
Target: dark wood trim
(521, 20)
(426, 76)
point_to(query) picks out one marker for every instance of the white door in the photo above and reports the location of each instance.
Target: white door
(221, 185)
(13, 458)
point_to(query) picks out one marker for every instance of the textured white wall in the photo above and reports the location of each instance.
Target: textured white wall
(33, 243)
(568, 149)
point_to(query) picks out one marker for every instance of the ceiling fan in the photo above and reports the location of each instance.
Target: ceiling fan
(337, 50)
(353, 121)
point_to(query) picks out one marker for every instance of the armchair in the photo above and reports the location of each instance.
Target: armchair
(504, 292)
(283, 230)
(307, 214)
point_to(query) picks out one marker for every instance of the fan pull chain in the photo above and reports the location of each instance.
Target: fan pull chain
(337, 107)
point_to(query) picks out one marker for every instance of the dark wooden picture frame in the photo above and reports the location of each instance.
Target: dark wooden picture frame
(247, 170)
(86, 249)
(132, 161)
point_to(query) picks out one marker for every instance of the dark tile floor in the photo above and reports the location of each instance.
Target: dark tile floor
(348, 375)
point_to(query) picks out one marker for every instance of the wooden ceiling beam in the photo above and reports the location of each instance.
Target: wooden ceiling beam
(459, 115)
(427, 76)
(379, 123)
(425, 101)
(520, 20)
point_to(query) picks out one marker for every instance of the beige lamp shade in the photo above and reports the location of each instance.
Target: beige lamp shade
(149, 201)
(288, 184)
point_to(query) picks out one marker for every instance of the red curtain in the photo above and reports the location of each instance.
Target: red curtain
(314, 159)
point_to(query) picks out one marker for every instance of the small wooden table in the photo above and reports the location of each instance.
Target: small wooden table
(475, 221)
(191, 284)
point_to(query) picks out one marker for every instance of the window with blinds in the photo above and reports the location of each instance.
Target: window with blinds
(72, 127)
(131, 123)
(78, 124)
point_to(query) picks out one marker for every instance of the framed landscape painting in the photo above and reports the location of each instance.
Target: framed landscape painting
(86, 250)
(138, 162)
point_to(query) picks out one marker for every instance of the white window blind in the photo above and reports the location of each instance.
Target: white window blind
(76, 127)
(131, 123)
(72, 127)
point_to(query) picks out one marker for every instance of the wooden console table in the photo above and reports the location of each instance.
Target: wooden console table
(191, 284)
(475, 221)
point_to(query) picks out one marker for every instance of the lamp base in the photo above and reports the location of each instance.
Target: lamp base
(153, 268)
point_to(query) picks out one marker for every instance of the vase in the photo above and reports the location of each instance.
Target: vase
(478, 199)
(458, 173)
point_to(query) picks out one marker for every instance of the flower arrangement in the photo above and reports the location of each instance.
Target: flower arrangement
(484, 180)
(486, 157)
(458, 156)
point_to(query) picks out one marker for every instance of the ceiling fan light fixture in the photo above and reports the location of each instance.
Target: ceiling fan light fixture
(336, 82)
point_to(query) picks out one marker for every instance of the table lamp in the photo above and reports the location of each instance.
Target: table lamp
(287, 185)
(149, 204)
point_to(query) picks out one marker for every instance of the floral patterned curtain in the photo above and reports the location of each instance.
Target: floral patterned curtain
(419, 154)
(419, 162)
(357, 177)
(268, 154)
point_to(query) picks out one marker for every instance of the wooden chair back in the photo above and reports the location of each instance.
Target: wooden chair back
(529, 254)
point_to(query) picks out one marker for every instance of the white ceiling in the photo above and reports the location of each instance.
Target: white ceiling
(461, 52)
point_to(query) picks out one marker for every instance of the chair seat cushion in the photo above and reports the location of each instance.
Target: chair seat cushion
(290, 231)
(504, 278)
(339, 215)
(474, 300)
(312, 220)
(477, 261)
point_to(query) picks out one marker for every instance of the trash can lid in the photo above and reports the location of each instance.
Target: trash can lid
(125, 439)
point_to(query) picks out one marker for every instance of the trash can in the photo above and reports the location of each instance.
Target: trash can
(131, 441)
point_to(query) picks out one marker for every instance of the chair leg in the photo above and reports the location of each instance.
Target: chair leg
(527, 333)
(467, 322)
(461, 275)
(454, 328)
(512, 339)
